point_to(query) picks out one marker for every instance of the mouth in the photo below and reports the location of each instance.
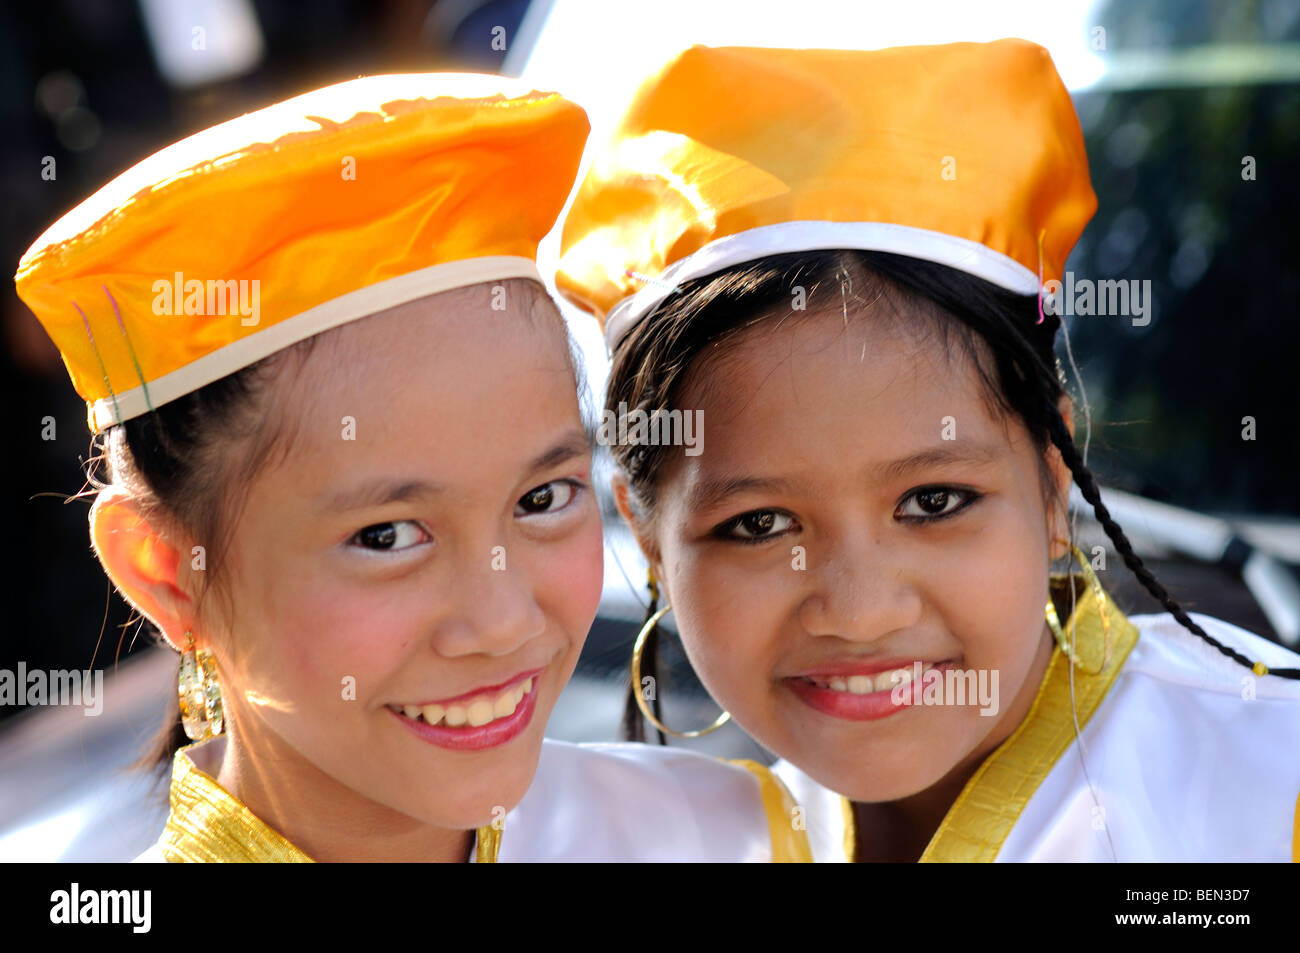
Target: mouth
(867, 684)
(480, 719)
(861, 696)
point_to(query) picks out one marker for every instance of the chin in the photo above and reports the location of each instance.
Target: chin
(856, 779)
(470, 811)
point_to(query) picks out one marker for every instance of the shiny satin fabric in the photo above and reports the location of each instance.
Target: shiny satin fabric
(314, 198)
(645, 803)
(976, 142)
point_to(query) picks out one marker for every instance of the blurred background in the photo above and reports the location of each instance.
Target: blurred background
(1191, 113)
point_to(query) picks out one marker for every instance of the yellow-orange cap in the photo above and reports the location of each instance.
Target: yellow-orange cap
(968, 154)
(258, 233)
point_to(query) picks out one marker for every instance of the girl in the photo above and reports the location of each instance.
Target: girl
(349, 481)
(835, 259)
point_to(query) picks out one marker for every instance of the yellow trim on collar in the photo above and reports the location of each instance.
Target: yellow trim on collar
(979, 821)
(789, 844)
(487, 844)
(207, 824)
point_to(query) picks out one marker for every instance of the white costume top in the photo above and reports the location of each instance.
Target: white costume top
(1192, 757)
(590, 802)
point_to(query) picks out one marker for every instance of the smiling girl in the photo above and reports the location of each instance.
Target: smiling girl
(359, 501)
(835, 258)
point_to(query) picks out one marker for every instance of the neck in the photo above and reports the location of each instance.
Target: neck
(900, 831)
(323, 818)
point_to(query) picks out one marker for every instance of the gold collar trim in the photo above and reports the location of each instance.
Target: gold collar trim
(983, 815)
(207, 824)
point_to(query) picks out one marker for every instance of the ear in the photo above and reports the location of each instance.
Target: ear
(143, 564)
(644, 538)
(1062, 479)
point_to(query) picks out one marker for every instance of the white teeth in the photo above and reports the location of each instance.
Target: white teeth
(505, 705)
(861, 685)
(479, 713)
(868, 684)
(476, 713)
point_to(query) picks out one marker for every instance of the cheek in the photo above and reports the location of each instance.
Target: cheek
(303, 627)
(568, 577)
(728, 621)
(993, 592)
(319, 636)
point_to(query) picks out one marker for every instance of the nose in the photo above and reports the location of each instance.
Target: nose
(857, 592)
(491, 612)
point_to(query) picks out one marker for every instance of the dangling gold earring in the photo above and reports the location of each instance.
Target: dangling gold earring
(638, 690)
(200, 692)
(1099, 594)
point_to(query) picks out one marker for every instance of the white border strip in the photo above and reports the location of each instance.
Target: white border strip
(352, 306)
(960, 253)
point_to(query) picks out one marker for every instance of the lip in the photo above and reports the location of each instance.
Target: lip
(475, 693)
(491, 735)
(851, 707)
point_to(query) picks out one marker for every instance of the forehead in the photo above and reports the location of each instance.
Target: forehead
(830, 384)
(449, 378)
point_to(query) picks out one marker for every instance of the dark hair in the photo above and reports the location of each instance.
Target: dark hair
(177, 462)
(999, 330)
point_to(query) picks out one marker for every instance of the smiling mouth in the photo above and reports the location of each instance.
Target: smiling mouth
(866, 684)
(474, 712)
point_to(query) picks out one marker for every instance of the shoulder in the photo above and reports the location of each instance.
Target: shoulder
(634, 802)
(153, 855)
(1166, 651)
(1207, 744)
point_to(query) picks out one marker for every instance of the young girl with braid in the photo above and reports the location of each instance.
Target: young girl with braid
(840, 260)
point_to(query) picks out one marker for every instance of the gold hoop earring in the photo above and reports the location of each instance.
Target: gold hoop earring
(1099, 594)
(202, 714)
(638, 689)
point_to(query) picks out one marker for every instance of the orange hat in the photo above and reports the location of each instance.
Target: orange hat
(263, 231)
(968, 154)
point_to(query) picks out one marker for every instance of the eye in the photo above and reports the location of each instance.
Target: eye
(934, 503)
(391, 537)
(756, 526)
(547, 498)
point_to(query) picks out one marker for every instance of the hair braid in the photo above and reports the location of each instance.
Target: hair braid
(1064, 443)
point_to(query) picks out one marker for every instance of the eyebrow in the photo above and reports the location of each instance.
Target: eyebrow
(574, 444)
(711, 491)
(379, 493)
(968, 453)
(385, 490)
